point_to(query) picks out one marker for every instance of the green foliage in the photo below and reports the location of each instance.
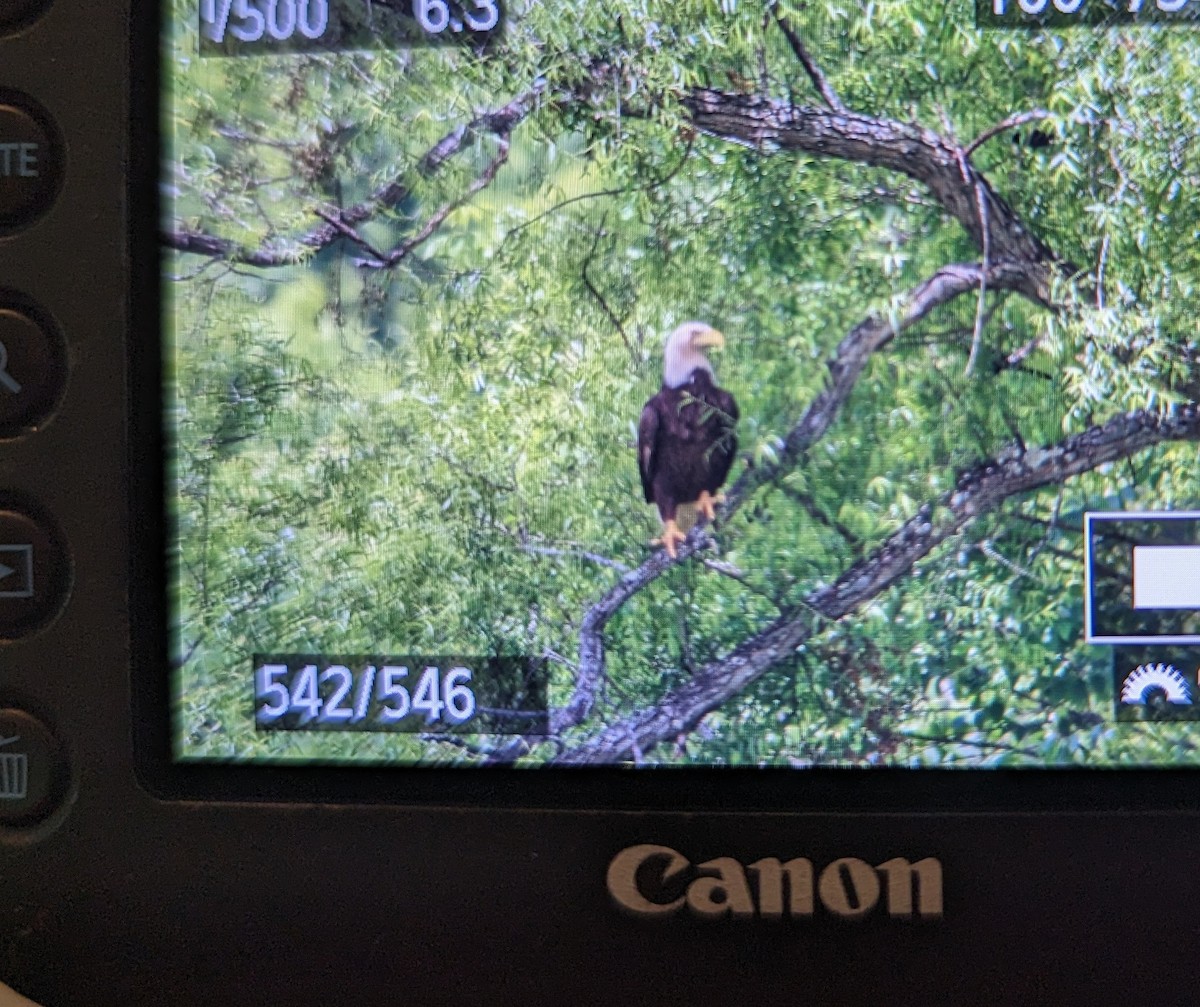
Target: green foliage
(429, 458)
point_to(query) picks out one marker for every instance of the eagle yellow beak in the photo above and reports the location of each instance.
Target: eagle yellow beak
(710, 338)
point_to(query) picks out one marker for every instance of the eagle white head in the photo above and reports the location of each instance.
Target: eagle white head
(684, 351)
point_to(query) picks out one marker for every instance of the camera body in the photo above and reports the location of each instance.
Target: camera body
(135, 878)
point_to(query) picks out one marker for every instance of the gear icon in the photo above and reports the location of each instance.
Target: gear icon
(1145, 677)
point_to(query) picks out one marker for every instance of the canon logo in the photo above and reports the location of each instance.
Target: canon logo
(650, 880)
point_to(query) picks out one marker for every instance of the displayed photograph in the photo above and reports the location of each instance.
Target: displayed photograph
(701, 383)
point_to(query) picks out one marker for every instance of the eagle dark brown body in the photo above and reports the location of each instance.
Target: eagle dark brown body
(686, 443)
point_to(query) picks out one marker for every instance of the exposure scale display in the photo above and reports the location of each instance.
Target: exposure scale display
(257, 27)
(1097, 15)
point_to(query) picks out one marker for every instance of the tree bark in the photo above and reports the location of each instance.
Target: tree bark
(279, 251)
(941, 165)
(848, 363)
(978, 491)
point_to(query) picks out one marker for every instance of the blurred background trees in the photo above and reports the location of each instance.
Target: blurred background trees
(418, 298)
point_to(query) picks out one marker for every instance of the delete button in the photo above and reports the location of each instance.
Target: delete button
(31, 161)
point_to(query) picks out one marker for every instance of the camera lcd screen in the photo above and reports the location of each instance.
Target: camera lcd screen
(681, 384)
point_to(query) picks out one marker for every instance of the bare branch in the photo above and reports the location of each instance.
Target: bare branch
(200, 243)
(1018, 356)
(348, 232)
(241, 136)
(814, 511)
(1100, 266)
(406, 248)
(506, 750)
(998, 746)
(187, 655)
(599, 297)
(854, 352)
(557, 658)
(591, 557)
(815, 74)
(1020, 119)
(977, 492)
(991, 552)
(964, 170)
(725, 569)
(280, 251)
(977, 335)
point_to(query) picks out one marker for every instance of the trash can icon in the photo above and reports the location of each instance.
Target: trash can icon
(14, 773)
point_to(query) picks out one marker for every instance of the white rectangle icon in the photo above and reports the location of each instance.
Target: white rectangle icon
(1166, 576)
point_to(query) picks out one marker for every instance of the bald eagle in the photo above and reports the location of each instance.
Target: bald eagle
(686, 439)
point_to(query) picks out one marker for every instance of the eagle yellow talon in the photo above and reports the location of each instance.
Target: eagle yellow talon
(670, 538)
(707, 504)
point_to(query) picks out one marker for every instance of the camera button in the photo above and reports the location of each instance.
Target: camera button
(31, 160)
(35, 573)
(32, 769)
(33, 367)
(16, 14)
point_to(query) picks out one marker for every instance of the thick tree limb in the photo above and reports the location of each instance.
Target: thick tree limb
(854, 352)
(278, 251)
(267, 255)
(750, 119)
(920, 153)
(848, 363)
(977, 492)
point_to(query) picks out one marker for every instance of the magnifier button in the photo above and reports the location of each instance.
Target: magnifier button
(10, 384)
(32, 368)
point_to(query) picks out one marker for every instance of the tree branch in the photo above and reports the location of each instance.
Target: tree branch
(848, 363)
(347, 231)
(814, 511)
(815, 74)
(907, 148)
(977, 492)
(977, 334)
(599, 297)
(1020, 119)
(278, 251)
(855, 351)
(591, 557)
(406, 248)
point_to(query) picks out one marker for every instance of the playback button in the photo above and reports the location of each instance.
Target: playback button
(31, 160)
(35, 573)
